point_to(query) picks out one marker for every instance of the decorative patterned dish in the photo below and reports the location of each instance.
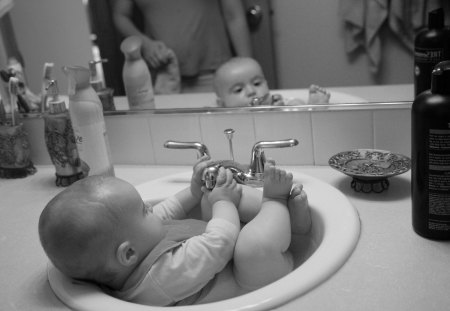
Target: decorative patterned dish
(370, 168)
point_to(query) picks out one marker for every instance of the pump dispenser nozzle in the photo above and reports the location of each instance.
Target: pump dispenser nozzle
(55, 104)
(78, 78)
(96, 80)
(436, 19)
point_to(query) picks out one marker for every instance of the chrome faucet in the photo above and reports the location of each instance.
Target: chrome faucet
(252, 175)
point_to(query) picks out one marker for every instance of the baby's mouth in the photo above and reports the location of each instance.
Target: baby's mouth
(257, 101)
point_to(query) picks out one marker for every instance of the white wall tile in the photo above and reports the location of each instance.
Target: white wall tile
(213, 126)
(129, 139)
(177, 127)
(139, 139)
(286, 125)
(392, 130)
(335, 131)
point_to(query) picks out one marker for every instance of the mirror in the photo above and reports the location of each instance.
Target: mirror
(308, 45)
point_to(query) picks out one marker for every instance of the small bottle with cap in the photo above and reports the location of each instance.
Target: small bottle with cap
(136, 75)
(60, 139)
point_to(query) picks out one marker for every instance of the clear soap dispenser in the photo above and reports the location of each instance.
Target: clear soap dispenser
(60, 139)
(86, 114)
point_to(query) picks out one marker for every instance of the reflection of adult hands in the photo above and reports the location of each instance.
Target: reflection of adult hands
(155, 52)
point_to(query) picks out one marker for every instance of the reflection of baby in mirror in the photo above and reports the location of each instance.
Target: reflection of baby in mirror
(240, 82)
(100, 230)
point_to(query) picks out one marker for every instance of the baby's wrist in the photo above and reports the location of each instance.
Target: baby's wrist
(196, 191)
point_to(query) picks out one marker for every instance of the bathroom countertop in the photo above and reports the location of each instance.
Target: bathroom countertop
(392, 268)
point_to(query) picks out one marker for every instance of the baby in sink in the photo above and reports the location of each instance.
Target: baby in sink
(100, 230)
(240, 82)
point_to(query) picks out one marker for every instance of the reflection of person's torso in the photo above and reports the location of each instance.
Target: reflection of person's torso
(193, 29)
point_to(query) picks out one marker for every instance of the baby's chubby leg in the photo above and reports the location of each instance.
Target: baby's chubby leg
(261, 254)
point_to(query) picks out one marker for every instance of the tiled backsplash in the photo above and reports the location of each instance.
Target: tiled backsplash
(139, 138)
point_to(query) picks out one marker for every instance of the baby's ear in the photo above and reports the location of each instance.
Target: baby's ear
(126, 254)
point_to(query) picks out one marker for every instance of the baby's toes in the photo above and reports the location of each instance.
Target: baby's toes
(296, 190)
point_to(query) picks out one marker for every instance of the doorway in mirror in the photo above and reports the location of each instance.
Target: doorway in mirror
(259, 18)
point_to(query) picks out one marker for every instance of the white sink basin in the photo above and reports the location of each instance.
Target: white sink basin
(333, 237)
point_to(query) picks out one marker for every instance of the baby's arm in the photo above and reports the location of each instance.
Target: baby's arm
(181, 203)
(201, 257)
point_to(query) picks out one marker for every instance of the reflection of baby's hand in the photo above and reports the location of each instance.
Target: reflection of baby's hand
(226, 189)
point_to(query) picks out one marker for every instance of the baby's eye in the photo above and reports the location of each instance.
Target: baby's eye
(258, 82)
(237, 90)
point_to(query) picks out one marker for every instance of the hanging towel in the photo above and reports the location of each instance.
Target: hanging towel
(363, 21)
(5, 6)
(168, 79)
(406, 17)
(352, 12)
(376, 15)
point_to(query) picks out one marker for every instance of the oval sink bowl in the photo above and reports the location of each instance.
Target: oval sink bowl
(334, 235)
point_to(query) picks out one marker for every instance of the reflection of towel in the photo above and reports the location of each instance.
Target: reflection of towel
(168, 77)
(352, 11)
(406, 17)
(376, 14)
(5, 6)
(363, 19)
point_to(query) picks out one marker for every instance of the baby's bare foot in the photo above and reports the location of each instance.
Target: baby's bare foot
(299, 210)
(277, 183)
(318, 95)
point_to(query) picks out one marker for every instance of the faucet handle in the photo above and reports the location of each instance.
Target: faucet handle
(258, 159)
(201, 148)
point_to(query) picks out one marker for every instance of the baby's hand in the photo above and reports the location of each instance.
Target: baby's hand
(196, 180)
(226, 189)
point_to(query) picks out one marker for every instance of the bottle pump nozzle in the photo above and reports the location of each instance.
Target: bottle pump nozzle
(78, 77)
(96, 80)
(56, 105)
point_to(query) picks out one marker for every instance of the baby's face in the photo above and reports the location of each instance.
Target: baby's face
(239, 84)
(140, 225)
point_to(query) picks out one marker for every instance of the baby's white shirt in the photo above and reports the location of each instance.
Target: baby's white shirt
(186, 269)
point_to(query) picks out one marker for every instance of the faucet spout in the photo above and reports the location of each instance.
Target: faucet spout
(201, 148)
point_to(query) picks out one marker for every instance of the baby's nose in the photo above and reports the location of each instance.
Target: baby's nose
(250, 90)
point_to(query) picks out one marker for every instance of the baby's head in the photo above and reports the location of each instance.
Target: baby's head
(239, 81)
(98, 229)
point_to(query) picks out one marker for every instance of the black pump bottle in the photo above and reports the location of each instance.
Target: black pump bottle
(431, 46)
(430, 153)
